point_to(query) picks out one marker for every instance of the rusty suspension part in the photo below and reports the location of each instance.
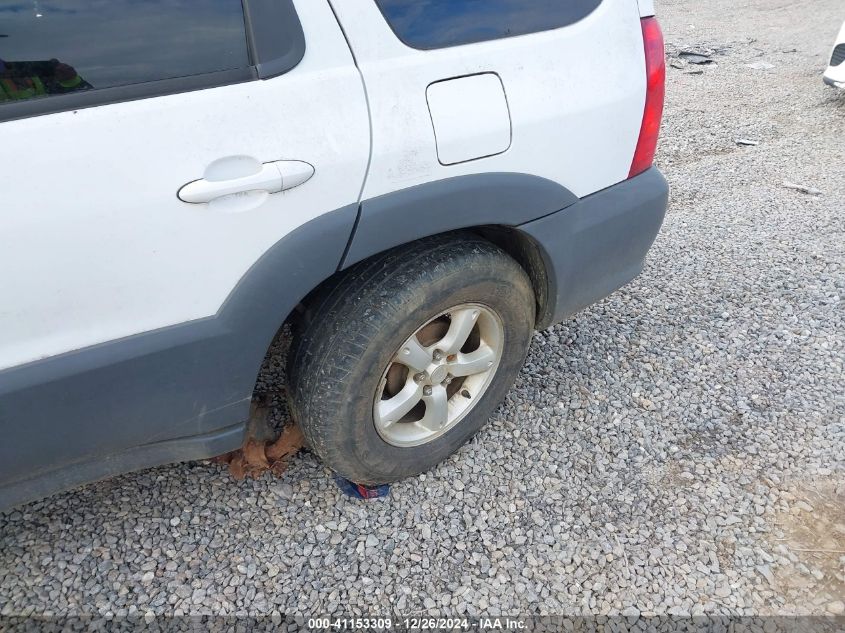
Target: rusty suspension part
(262, 453)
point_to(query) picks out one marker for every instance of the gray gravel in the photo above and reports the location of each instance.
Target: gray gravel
(679, 448)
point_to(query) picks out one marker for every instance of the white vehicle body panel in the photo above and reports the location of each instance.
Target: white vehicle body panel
(646, 8)
(575, 94)
(100, 247)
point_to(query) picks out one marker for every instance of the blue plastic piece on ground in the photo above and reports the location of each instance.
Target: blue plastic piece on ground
(359, 491)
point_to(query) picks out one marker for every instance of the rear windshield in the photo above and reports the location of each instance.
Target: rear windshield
(428, 24)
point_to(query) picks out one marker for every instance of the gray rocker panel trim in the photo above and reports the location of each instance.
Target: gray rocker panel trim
(188, 380)
(599, 244)
(101, 467)
(404, 216)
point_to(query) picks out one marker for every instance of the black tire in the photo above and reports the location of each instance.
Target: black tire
(358, 322)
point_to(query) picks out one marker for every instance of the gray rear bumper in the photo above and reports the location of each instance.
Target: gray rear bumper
(598, 244)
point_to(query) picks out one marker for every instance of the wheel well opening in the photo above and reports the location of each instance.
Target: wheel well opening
(270, 383)
(528, 255)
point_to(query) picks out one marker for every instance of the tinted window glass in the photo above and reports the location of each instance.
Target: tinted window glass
(440, 23)
(50, 47)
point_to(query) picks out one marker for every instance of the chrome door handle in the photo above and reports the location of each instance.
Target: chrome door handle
(273, 177)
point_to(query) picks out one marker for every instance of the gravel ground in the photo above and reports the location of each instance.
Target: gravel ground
(679, 448)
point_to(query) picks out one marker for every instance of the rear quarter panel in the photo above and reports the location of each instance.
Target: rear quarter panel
(575, 95)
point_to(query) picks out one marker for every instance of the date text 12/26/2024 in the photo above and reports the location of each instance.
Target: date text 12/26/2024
(416, 624)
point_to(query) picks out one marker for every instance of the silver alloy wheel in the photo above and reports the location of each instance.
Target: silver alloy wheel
(438, 374)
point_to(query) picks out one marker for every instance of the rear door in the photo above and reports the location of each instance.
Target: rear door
(109, 109)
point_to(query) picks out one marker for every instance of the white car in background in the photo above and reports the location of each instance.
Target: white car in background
(835, 74)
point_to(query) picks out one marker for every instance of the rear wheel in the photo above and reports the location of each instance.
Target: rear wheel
(406, 355)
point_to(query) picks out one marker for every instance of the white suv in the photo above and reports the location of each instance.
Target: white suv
(416, 186)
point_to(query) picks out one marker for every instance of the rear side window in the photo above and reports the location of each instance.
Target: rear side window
(57, 47)
(428, 24)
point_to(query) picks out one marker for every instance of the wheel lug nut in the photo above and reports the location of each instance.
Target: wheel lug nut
(438, 355)
(419, 377)
(427, 391)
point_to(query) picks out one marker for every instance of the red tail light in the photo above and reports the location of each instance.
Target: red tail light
(655, 67)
